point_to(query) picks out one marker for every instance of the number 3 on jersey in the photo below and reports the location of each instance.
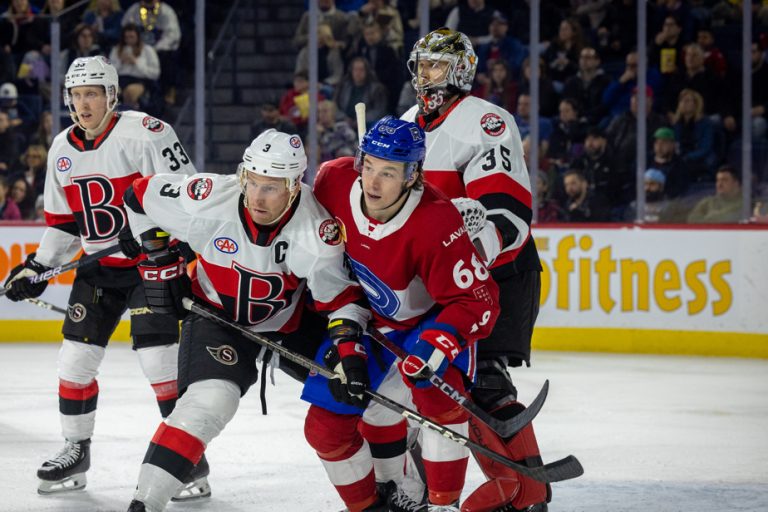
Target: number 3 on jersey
(464, 277)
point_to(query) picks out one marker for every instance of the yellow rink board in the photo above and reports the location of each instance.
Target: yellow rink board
(632, 341)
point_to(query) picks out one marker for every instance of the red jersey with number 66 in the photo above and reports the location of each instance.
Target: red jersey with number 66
(418, 263)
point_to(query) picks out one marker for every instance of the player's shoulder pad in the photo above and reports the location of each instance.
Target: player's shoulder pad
(142, 126)
(209, 195)
(488, 121)
(325, 231)
(436, 213)
(332, 171)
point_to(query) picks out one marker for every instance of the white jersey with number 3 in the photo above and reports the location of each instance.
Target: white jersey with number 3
(86, 179)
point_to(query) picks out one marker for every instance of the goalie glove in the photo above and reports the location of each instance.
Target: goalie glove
(18, 284)
(481, 231)
(434, 350)
(348, 359)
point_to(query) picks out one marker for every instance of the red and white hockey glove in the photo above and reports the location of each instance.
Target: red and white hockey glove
(348, 359)
(432, 353)
(166, 283)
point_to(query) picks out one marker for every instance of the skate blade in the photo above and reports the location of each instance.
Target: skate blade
(193, 490)
(70, 483)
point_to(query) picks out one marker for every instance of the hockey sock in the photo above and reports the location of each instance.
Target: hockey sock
(388, 445)
(166, 393)
(77, 405)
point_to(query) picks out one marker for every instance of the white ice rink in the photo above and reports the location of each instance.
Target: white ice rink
(661, 434)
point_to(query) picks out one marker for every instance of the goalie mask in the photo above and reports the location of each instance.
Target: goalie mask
(97, 71)
(274, 154)
(442, 64)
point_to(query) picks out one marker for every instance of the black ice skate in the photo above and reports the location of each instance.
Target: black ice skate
(136, 506)
(66, 470)
(196, 484)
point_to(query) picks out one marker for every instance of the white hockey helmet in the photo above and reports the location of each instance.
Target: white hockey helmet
(92, 71)
(277, 155)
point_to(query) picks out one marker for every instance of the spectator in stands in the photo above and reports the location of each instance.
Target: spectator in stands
(695, 135)
(336, 138)
(499, 88)
(44, 134)
(383, 59)
(361, 85)
(294, 105)
(7, 64)
(388, 17)
(23, 197)
(105, 18)
(82, 44)
(588, 85)
(548, 98)
(759, 93)
(562, 54)
(617, 34)
(622, 131)
(68, 22)
(568, 136)
(345, 26)
(8, 209)
(597, 164)
(713, 57)
(160, 30)
(666, 160)
(619, 92)
(666, 52)
(22, 29)
(548, 208)
(471, 18)
(582, 204)
(31, 167)
(500, 46)
(270, 118)
(697, 77)
(406, 99)
(658, 207)
(725, 205)
(330, 65)
(137, 64)
(523, 120)
(9, 97)
(9, 145)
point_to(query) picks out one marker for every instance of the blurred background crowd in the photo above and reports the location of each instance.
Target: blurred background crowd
(588, 91)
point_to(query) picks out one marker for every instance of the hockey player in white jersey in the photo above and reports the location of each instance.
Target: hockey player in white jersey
(89, 167)
(263, 242)
(474, 152)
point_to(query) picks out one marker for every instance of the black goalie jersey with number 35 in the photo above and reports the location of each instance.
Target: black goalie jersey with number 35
(259, 277)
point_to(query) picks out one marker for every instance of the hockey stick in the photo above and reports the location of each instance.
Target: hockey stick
(360, 117)
(66, 267)
(503, 428)
(563, 469)
(46, 305)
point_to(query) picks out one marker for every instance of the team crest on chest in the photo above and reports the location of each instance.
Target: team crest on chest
(200, 188)
(152, 124)
(493, 124)
(329, 232)
(63, 164)
(223, 354)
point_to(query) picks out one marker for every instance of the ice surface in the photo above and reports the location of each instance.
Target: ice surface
(662, 434)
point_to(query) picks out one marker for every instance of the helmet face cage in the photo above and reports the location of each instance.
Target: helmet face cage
(93, 71)
(445, 45)
(394, 140)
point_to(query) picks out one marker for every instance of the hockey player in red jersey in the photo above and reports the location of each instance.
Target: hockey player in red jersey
(429, 292)
(474, 151)
(263, 242)
(89, 167)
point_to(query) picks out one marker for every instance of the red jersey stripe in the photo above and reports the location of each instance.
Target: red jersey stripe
(350, 294)
(56, 219)
(447, 181)
(496, 183)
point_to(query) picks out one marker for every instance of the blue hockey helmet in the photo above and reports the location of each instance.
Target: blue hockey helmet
(395, 140)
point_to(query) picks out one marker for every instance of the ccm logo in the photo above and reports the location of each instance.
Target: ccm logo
(163, 274)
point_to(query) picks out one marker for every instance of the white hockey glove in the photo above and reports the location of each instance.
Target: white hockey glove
(481, 231)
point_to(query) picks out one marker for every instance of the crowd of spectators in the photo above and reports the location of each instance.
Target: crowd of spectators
(588, 91)
(141, 38)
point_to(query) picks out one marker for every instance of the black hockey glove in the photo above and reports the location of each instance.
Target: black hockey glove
(166, 283)
(18, 284)
(348, 359)
(128, 244)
